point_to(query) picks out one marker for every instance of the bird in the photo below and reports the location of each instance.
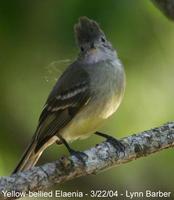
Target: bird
(87, 93)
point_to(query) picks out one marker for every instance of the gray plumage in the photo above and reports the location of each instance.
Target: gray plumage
(87, 93)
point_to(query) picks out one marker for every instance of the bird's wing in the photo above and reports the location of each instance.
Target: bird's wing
(68, 96)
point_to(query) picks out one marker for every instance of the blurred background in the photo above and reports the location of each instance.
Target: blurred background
(37, 43)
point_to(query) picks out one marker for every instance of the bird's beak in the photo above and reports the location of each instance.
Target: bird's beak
(93, 50)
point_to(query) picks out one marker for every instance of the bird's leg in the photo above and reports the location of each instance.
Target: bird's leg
(113, 141)
(78, 154)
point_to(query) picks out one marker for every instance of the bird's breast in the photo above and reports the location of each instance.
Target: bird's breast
(108, 87)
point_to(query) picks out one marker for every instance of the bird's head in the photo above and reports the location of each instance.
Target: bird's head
(90, 37)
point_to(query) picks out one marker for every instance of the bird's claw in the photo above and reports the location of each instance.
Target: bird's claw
(116, 144)
(79, 155)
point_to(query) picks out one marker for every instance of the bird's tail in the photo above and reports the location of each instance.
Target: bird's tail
(29, 158)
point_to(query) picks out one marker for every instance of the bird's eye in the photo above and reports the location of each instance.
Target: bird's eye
(82, 49)
(103, 39)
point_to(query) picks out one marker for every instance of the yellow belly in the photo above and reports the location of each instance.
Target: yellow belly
(81, 128)
(88, 120)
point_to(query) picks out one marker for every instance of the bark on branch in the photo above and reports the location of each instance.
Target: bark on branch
(166, 6)
(100, 157)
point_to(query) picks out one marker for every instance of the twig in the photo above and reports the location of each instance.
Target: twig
(100, 157)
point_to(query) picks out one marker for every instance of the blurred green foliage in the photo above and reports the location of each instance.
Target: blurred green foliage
(35, 34)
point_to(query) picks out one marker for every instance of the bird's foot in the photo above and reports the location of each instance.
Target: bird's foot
(116, 144)
(79, 155)
(113, 141)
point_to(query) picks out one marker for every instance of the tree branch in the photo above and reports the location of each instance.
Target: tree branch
(100, 157)
(166, 6)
